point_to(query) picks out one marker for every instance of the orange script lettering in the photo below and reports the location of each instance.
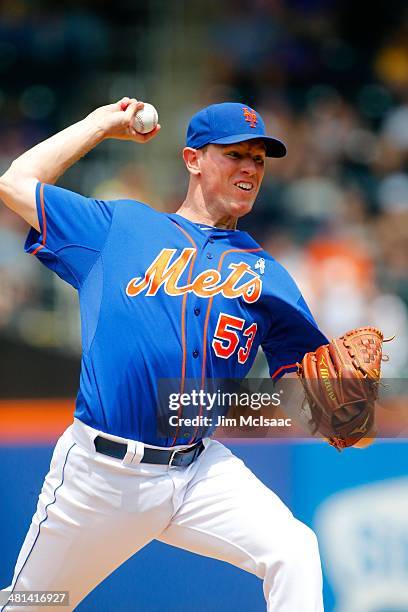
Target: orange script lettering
(166, 272)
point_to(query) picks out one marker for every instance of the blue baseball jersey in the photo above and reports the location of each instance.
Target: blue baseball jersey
(162, 297)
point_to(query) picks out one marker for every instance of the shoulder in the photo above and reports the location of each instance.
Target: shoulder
(127, 210)
(277, 281)
(274, 273)
(128, 206)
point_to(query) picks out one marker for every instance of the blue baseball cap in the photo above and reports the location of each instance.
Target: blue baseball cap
(228, 123)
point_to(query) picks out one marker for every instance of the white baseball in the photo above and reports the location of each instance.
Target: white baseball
(146, 119)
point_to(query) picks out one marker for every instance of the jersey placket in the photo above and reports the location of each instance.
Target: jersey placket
(196, 316)
(194, 309)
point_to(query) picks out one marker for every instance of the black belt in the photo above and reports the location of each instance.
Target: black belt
(167, 456)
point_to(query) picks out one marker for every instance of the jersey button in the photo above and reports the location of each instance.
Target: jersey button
(195, 354)
(197, 311)
(211, 240)
(210, 255)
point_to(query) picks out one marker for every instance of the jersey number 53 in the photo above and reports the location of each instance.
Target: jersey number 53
(226, 339)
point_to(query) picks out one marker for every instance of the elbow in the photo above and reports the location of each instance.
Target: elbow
(9, 178)
(11, 174)
(14, 174)
(17, 192)
(10, 184)
(5, 185)
(8, 187)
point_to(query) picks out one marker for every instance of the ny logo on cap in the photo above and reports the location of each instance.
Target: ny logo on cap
(250, 116)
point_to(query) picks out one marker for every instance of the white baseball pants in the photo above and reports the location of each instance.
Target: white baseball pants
(94, 512)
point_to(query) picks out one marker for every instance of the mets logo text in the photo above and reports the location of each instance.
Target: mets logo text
(250, 116)
(163, 272)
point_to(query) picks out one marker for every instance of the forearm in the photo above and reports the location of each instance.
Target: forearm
(48, 160)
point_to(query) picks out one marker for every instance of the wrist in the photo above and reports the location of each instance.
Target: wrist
(94, 130)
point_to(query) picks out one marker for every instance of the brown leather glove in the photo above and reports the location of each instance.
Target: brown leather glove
(341, 382)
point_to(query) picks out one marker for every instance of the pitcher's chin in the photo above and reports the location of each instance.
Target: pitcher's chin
(240, 209)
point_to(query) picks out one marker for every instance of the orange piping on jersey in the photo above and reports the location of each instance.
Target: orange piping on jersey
(44, 221)
(207, 318)
(37, 249)
(183, 323)
(285, 367)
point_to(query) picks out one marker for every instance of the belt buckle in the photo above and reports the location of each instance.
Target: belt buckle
(173, 454)
(184, 451)
(181, 452)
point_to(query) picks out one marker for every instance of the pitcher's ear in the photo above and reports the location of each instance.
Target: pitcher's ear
(191, 159)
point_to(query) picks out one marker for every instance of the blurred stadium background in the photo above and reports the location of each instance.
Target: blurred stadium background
(330, 78)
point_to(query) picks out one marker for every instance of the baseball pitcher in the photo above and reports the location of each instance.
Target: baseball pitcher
(174, 296)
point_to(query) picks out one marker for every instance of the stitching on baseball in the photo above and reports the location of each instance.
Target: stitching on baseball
(140, 121)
